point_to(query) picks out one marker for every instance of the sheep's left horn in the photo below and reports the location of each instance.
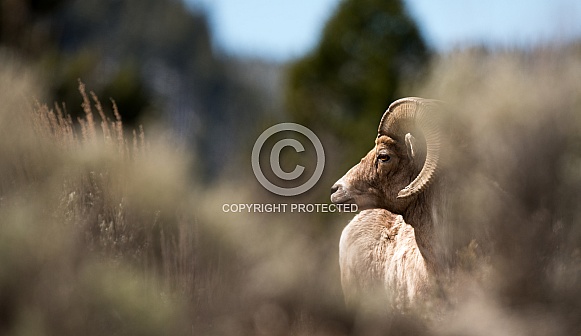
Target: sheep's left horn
(404, 114)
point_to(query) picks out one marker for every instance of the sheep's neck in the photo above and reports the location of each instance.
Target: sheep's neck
(419, 216)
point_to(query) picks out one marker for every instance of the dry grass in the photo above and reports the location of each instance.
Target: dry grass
(93, 237)
(57, 126)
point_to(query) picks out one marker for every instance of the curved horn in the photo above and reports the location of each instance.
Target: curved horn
(420, 112)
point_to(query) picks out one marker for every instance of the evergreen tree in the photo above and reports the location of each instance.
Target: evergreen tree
(367, 49)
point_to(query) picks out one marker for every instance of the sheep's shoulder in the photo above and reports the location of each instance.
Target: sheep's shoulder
(364, 248)
(378, 253)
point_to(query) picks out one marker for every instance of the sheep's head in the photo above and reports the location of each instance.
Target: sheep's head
(403, 162)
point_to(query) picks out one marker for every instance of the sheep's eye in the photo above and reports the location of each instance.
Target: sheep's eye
(383, 157)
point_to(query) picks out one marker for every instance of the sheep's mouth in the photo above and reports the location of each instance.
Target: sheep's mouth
(342, 198)
(362, 203)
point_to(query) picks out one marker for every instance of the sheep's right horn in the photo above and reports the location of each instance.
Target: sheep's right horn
(419, 112)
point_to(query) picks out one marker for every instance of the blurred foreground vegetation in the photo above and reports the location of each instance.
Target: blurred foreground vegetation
(104, 231)
(109, 228)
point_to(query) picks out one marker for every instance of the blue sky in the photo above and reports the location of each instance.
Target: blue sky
(282, 29)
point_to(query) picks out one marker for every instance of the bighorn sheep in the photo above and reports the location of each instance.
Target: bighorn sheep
(399, 175)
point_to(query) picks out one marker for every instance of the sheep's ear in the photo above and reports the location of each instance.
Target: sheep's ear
(416, 152)
(411, 145)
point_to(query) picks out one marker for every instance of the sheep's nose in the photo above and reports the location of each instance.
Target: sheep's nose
(338, 193)
(335, 188)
